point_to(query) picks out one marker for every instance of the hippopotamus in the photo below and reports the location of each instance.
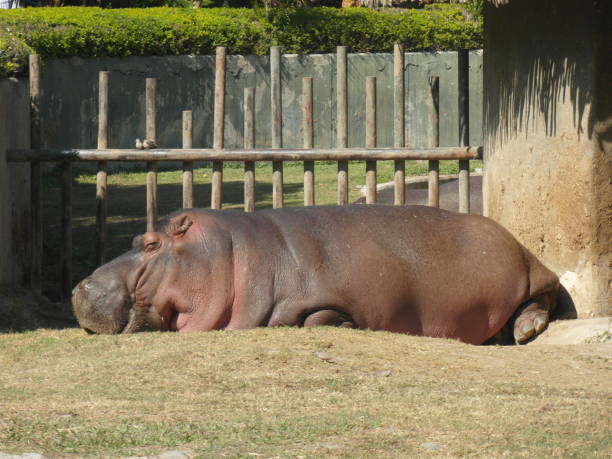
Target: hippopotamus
(408, 269)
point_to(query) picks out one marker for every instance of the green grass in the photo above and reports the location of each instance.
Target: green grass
(325, 174)
(265, 392)
(127, 203)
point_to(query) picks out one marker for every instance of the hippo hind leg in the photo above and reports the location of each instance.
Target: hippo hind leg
(328, 317)
(531, 318)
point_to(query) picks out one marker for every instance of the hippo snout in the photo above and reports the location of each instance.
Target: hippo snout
(101, 305)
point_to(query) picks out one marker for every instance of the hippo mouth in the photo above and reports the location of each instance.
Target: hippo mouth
(135, 318)
(146, 319)
(134, 321)
(129, 326)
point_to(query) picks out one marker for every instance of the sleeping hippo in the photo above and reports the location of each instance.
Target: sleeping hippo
(407, 269)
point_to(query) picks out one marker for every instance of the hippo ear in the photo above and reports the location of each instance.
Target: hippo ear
(137, 241)
(179, 226)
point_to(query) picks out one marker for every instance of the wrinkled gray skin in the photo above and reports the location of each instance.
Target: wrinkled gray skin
(408, 269)
(104, 301)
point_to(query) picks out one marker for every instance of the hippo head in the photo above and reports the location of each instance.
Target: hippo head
(123, 295)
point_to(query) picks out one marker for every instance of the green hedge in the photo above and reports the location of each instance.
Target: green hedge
(93, 32)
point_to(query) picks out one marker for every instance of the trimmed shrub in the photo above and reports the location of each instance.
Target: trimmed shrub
(320, 30)
(95, 32)
(13, 54)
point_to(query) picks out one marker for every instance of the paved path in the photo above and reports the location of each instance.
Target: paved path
(449, 195)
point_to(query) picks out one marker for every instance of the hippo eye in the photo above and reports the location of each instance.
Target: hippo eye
(151, 241)
(152, 245)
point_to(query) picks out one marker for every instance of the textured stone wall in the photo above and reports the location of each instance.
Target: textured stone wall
(548, 134)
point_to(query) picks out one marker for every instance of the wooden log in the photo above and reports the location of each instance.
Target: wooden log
(151, 108)
(151, 195)
(464, 186)
(259, 154)
(216, 191)
(102, 173)
(434, 141)
(399, 177)
(101, 212)
(187, 165)
(307, 137)
(342, 121)
(66, 251)
(370, 129)
(464, 129)
(151, 134)
(216, 197)
(277, 126)
(277, 184)
(249, 143)
(36, 230)
(433, 176)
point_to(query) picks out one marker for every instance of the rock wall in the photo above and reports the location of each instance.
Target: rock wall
(548, 137)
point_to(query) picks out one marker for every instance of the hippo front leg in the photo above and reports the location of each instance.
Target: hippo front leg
(329, 317)
(310, 317)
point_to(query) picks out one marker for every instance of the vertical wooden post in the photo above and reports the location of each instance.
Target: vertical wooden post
(151, 134)
(102, 174)
(36, 231)
(399, 177)
(187, 165)
(277, 125)
(216, 197)
(307, 137)
(434, 141)
(342, 121)
(370, 138)
(249, 142)
(66, 255)
(464, 129)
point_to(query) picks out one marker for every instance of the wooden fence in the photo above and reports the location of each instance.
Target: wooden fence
(217, 154)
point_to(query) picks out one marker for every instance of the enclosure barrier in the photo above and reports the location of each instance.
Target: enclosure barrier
(249, 154)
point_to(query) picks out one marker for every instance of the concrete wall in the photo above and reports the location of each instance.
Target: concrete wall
(14, 182)
(548, 137)
(69, 101)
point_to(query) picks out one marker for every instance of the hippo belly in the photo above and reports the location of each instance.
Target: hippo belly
(408, 269)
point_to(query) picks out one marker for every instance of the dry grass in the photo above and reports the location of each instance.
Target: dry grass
(265, 391)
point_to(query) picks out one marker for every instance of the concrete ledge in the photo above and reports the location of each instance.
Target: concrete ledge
(579, 331)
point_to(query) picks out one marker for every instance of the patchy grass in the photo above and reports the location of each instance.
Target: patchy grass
(127, 203)
(265, 392)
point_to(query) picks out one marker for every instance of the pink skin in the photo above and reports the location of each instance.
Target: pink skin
(171, 287)
(175, 286)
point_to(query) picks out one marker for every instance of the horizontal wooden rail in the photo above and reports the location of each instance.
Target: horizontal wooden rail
(264, 154)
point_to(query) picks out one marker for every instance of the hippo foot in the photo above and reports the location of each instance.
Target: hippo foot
(531, 320)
